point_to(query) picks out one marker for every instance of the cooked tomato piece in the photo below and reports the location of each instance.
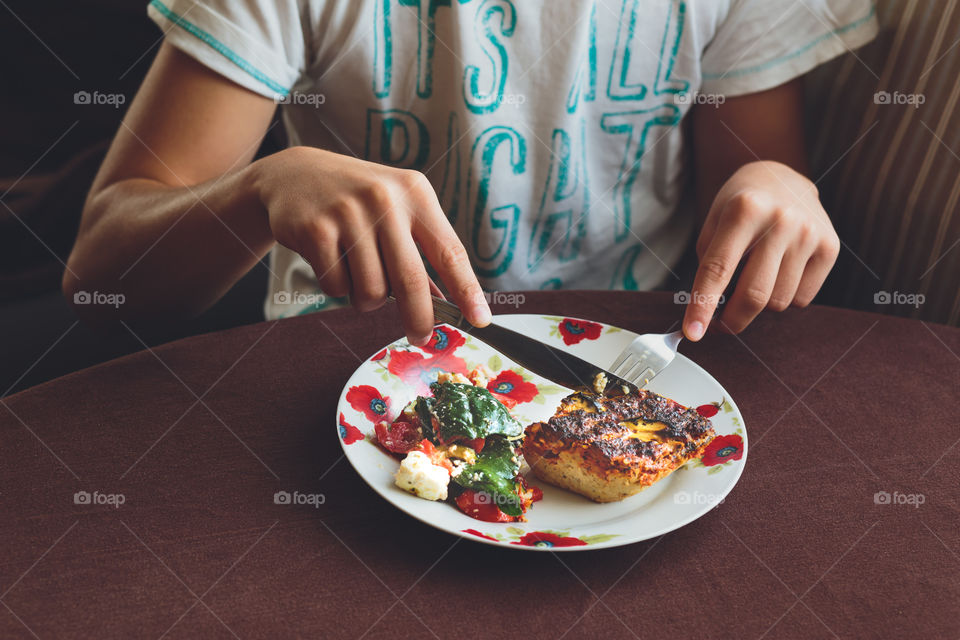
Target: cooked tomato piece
(427, 447)
(436, 457)
(476, 445)
(479, 505)
(399, 437)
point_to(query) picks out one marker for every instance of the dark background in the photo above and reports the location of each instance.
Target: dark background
(99, 45)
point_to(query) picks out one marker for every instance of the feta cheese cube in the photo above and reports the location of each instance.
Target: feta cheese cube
(422, 478)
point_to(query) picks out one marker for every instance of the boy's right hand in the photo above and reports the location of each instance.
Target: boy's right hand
(358, 224)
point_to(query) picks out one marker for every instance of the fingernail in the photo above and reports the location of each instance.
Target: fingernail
(418, 341)
(481, 315)
(695, 330)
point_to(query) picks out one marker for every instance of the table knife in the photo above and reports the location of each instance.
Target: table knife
(548, 362)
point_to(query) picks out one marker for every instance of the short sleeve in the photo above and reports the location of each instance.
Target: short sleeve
(258, 44)
(764, 43)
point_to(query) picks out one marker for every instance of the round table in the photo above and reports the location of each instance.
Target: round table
(138, 497)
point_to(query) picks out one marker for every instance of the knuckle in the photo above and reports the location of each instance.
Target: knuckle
(466, 291)
(806, 233)
(316, 228)
(453, 257)
(746, 198)
(831, 246)
(778, 304)
(369, 294)
(781, 217)
(306, 234)
(414, 181)
(715, 269)
(410, 281)
(746, 202)
(754, 298)
(378, 195)
(299, 153)
(346, 209)
(469, 292)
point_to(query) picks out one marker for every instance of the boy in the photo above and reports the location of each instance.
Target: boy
(517, 144)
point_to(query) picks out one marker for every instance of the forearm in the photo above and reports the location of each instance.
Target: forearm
(171, 252)
(766, 126)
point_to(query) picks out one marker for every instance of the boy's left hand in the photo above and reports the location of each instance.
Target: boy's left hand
(769, 216)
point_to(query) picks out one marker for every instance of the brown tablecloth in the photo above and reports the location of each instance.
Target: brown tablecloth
(198, 435)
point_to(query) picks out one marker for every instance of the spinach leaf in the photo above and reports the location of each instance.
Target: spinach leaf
(469, 412)
(424, 408)
(495, 473)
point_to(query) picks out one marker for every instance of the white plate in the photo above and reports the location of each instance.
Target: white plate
(386, 382)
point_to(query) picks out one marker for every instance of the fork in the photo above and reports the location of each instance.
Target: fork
(646, 356)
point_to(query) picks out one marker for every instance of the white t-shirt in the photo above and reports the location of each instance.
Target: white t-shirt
(550, 129)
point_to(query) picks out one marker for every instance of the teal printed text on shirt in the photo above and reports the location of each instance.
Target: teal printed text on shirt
(478, 100)
(587, 72)
(565, 203)
(618, 88)
(478, 187)
(397, 138)
(636, 126)
(426, 41)
(491, 221)
(664, 82)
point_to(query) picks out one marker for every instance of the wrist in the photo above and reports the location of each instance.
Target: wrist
(253, 182)
(774, 173)
(238, 200)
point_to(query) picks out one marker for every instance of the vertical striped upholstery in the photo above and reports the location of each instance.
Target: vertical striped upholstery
(889, 174)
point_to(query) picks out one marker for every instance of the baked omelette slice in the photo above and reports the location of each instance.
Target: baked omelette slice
(609, 448)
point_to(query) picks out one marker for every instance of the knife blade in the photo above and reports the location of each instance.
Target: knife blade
(546, 361)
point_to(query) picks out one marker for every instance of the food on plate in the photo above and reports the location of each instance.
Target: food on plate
(422, 478)
(461, 443)
(609, 448)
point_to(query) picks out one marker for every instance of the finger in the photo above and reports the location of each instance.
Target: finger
(706, 236)
(322, 253)
(713, 275)
(709, 228)
(368, 282)
(755, 284)
(816, 272)
(445, 252)
(409, 283)
(788, 280)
